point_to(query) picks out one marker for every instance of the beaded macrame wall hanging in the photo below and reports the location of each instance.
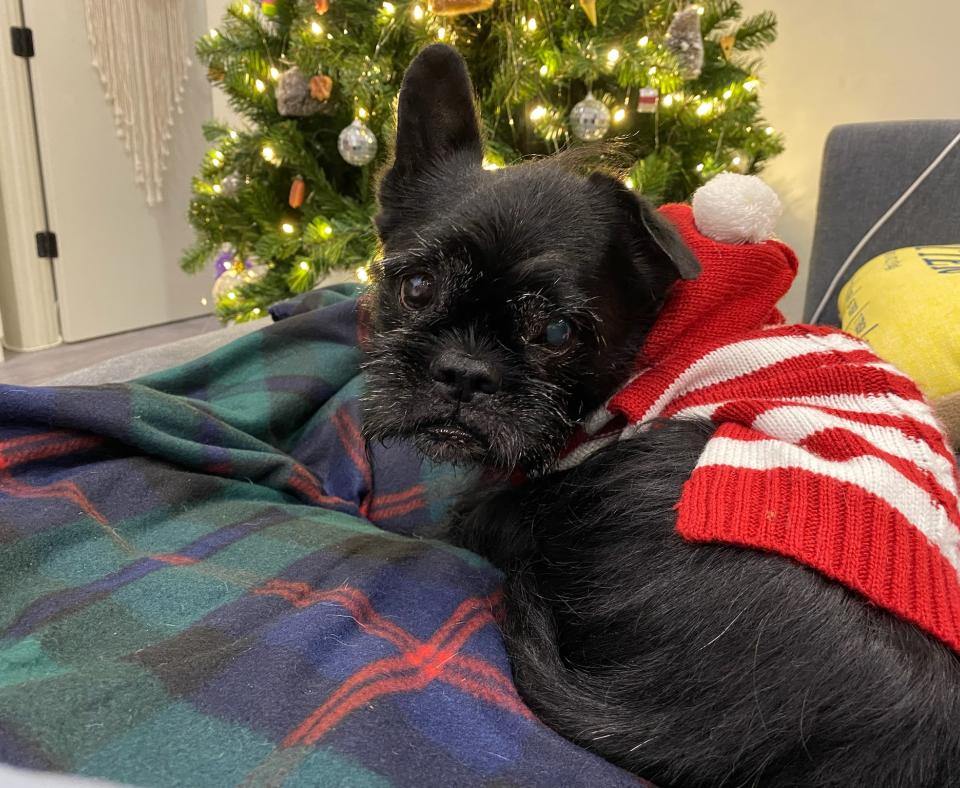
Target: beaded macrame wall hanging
(141, 51)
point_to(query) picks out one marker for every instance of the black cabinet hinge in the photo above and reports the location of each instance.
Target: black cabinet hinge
(22, 40)
(47, 245)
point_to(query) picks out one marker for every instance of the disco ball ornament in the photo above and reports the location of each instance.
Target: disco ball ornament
(357, 144)
(590, 119)
(231, 280)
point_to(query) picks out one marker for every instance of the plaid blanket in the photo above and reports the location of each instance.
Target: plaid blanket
(207, 579)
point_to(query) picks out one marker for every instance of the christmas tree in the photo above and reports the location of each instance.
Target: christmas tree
(281, 202)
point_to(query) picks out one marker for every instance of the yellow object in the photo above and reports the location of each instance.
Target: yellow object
(454, 7)
(906, 305)
(590, 9)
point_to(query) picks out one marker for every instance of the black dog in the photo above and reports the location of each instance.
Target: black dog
(508, 305)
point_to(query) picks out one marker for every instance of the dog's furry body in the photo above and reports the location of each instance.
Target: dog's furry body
(690, 664)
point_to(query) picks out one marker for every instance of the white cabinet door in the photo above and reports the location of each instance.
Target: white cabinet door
(118, 258)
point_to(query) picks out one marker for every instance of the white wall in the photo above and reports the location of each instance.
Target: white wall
(222, 111)
(843, 61)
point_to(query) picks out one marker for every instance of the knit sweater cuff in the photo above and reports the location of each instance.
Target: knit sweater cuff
(839, 529)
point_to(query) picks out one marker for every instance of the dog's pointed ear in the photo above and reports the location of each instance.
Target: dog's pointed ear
(436, 114)
(436, 121)
(663, 238)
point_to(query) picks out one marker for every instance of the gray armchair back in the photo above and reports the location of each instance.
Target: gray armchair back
(866, 167)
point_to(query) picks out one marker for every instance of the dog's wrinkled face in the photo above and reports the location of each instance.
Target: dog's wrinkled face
(508, 303)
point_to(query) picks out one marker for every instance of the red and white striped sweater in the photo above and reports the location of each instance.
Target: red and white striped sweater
(823, 453)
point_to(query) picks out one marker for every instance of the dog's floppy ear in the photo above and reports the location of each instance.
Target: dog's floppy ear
(436, 115)
(665, 239)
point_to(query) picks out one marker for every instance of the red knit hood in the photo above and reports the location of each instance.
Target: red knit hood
(821, 452)
(736, 292)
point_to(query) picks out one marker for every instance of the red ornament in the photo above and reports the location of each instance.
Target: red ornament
(322, 6)
(298, 191)
(648, 100)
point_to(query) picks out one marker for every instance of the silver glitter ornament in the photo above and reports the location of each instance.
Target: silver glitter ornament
(232, 280)
(685, 41)
(230, 185)
(590, 119)
(357, 144)
(294, 99)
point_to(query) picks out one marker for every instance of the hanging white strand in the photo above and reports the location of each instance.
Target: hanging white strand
(140, 49)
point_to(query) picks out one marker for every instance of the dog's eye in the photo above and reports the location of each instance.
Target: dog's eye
(557, 333)
(416, 291)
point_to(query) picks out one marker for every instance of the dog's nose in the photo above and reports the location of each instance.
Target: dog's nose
(462, 376)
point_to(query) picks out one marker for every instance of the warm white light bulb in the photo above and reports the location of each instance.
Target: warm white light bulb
(700, 167)
(652, 70)
(274, 72)
(705, 108)
(233, 135)
(736, 161)
(538, 112)
(750, 85)
(232, 295)
(316, 28)
(362, 274)
(441, 33)
(203, 302)
(256, 310)
(619, 115)
(389, 8)
(258, 84)
(361, 113)
(326, 231)
(628, 182)
(304, 265)
(544, 70)
(727, 93)
(613, 55)
(769, 130)
(700, 10)
(287, 228)
(667, 100)
(217, 188)
(247, 9)
(532, 25)
(417, 13)
(644, 40)
(267, 153)
(213, 32)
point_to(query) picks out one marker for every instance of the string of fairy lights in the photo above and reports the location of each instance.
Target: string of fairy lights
(663, 93)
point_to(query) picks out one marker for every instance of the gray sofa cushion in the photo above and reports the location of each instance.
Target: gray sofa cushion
(866, 167)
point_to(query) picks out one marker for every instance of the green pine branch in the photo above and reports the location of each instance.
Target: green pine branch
(528, 76)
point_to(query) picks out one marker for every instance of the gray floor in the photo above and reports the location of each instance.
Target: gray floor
(32, 368)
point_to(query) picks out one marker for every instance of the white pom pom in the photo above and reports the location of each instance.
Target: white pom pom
(736, 209)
